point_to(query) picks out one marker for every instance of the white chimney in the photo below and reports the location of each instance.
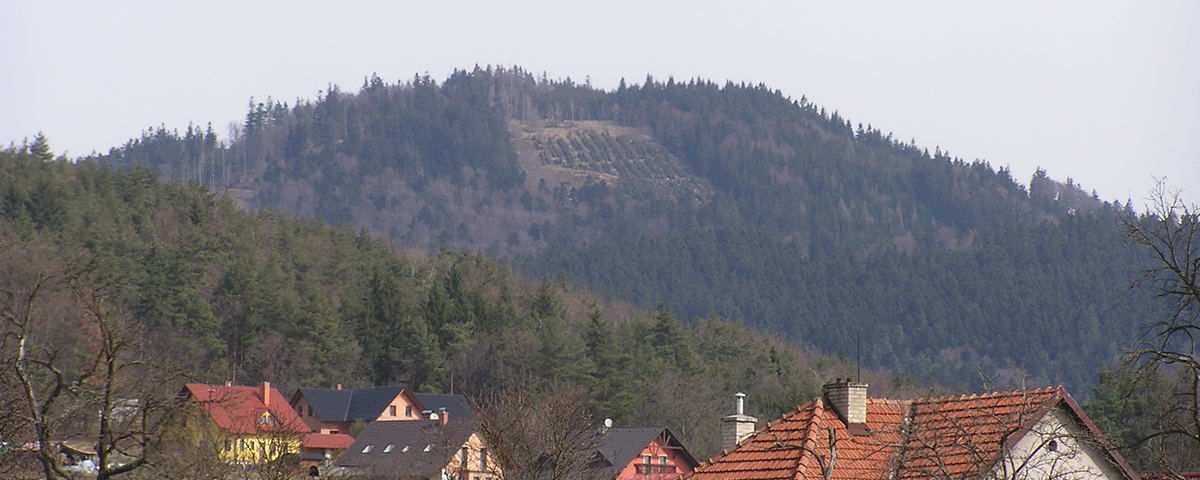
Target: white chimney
(736, 427)
(849, 399)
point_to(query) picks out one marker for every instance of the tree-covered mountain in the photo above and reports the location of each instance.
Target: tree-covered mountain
(716, 200)
(212, 293)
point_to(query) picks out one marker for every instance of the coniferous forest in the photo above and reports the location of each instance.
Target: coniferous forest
(717, 201)
(214, 293)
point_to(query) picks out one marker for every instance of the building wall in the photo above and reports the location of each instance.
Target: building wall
(1057, 447)
(260, 448)
(664, 463)
(401, 408)
(475, 447)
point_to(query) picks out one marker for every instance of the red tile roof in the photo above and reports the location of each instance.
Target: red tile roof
(331, 441)
(238, 409)
(955, 437)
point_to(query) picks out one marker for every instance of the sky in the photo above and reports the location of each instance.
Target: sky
(1105, 93)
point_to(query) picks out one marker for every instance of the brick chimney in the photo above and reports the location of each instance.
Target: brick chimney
(736, 427)
(266, 394)
(849, 399)
(443, 416)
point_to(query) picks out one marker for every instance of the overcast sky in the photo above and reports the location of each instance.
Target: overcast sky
(1107, 93)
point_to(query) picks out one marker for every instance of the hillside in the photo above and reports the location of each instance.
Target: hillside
(728, 201)
(213, 293)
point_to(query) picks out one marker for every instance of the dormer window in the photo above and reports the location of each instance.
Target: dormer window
(266, 419)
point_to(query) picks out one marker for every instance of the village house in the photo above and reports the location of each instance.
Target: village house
(441, 446)
(336, 410)
(249, 425)
(1024, 434)
(643, 453)
(254, 425)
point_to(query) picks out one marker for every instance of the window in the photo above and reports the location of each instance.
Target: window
(429, 448)
(388, 449)
(391, 410)
(662, 459)
(408, 411)
(228, 444)
(404, 450)
(310, 410)
(367, 449)
(483, 459)
(463, 461)
(646, 459)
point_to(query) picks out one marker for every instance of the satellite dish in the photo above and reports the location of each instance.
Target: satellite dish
(433, 416)
(608, 423)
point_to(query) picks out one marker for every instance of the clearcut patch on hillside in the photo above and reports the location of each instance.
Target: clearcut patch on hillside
(571, 155)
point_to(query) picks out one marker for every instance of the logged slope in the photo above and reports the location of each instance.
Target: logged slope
(717, 200)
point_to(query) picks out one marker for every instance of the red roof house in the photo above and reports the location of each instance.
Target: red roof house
(246, 410)
(846, 435)
(252, 424)
(647, 453)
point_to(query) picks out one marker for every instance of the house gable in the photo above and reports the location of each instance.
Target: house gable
(1056, 446)
(648, 452)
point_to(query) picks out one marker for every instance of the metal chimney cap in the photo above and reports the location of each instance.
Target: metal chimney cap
(740, 395)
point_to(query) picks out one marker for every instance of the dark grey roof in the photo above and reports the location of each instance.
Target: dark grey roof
(621, 445)
(366, 403)
(350, 404)
(430, 446)
(456, 405)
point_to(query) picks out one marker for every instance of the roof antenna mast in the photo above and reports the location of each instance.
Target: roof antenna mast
(858, 355)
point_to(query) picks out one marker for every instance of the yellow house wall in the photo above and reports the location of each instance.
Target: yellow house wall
(255, 449)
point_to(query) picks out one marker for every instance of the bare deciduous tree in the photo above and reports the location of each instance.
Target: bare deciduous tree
(73, 356)
(1170, 232)
(546, 437)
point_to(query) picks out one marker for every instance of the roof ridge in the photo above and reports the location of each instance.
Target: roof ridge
(818, 416)
(987, 395)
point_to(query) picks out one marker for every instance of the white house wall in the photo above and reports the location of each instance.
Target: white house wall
(1074, 456)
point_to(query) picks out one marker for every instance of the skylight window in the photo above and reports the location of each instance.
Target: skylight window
(367, 449)
(429, 448)
(388, 449)
(404, 450)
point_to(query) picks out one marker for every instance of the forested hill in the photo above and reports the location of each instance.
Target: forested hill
(197, 287)
(717, 200)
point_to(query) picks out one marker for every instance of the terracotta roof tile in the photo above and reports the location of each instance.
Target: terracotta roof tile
(331, 441)
(948, 437)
